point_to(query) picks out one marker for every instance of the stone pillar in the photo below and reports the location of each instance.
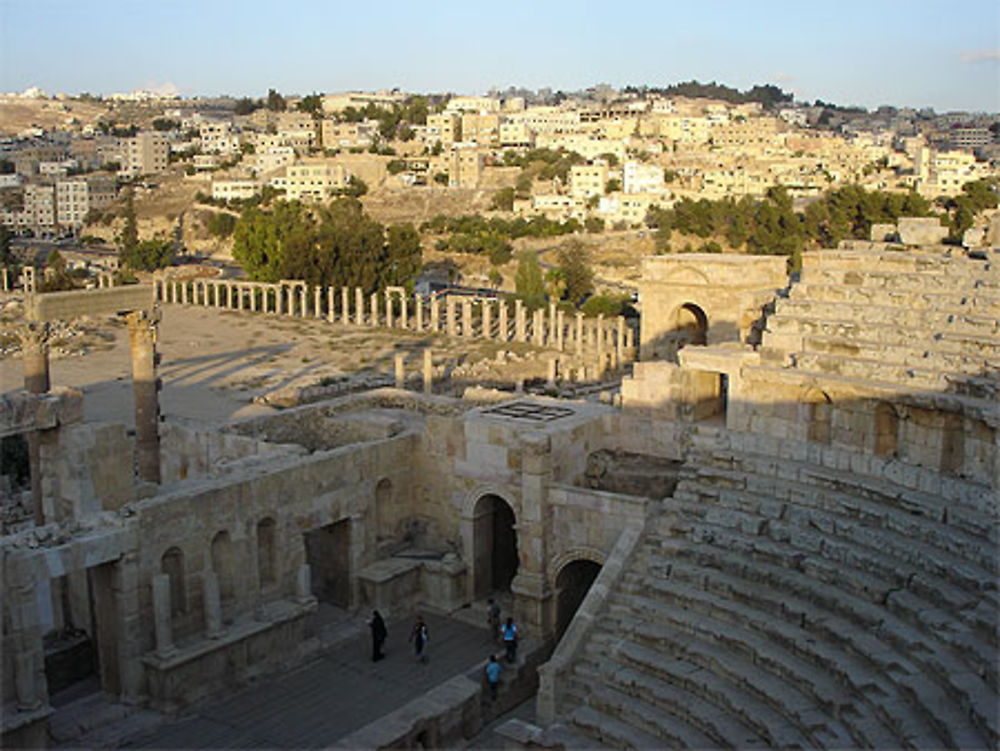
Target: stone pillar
(213, 604)
(303, 585)
(560, 330)
(240, 289)
(466, 317)
(620, 342)
(229, 295)
(402, 311)
(504, 326)
(218, 294)
(303, 300)
(487, 319)
(252, 289)
(374, 315)
(599, 333)
(5, 279)
(435, 314)
(388, 310)
(538, 328)
(551, 333)
(449, 315)
(359, 306)
(519, 321)
(184, 293)
(161, 615)
(532, 594)
(428, 371)
(550, 377)
(400, 370)
(345, 305)
(145, 385)
(578, 338)
(418, 312)
(35, 364)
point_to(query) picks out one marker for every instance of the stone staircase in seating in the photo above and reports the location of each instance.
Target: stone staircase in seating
(799, 603)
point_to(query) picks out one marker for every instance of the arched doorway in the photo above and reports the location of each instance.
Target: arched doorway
(494, 545)
(572, 584)
(690, 325)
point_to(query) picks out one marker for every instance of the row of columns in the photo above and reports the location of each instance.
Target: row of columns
(393, 308)
(26, 281)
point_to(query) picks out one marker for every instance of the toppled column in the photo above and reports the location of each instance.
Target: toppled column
(428, 371)
(400, 371)
(161, 615)
(145, 385)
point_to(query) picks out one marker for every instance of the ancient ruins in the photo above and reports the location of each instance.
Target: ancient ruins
(781, 533)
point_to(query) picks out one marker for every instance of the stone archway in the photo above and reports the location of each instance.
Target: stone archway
(690, 325)
(494, 545)
(576, 570)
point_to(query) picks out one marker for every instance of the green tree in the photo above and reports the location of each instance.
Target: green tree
(503, 200)
(403, 255)
(57, 277)
(150, 255)
(246, 106)
(128, 241)
(578, 276)
(276, 102)
(529, 286)
(312, 104)
(613, 185)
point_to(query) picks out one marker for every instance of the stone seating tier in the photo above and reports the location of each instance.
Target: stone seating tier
(901, 311)
(973, 297)
(868, 261)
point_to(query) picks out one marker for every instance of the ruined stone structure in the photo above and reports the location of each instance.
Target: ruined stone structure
(784, 535)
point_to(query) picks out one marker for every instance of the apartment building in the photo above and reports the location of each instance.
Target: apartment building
(444, 128)
(642, 178)
(465, 168)
(472, 104)
(298, 129)
(547, 119)
(218, 137)
(314, 181)
(72, 202)
(482, 130)
(144, 154)
(226, 190)
(337, 135)
(516, 136)
(630, 209)
(586, 180)
(273, 158)
(586, 146)
(943, 173)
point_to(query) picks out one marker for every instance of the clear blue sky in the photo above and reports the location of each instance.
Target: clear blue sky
(901, 52)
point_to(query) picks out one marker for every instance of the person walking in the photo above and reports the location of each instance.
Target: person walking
(379, 634)
(510, 640)
(493, 618)
(419, 638)
(493, 669)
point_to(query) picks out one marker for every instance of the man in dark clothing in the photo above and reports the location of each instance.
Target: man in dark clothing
(379, 633)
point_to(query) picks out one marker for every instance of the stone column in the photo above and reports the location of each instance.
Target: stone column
(399, 370)
(25, 637)
(466, 317)
(578, 338)
(345, 305)
(252, 289)
(35, 364)
(504, 326)
(240, 289)
(538, 328)
(550, 378)
(359, 306)
(428, 371)
(531, 589)
(5, 279)
(184, 293)
(374, 303)
(551, 332)
(620, 342)
(560, 330)
(303, 300)
(303, 585)
(161, 615)
(145, 385)
(218, 294)
(435, 314)
(388, 310)
(402, 311)
(418, 312)
(229, 295)
(213, 604)
(487, 319)
(519, 321)
(449, 315)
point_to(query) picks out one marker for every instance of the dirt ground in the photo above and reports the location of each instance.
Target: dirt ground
(215, 363)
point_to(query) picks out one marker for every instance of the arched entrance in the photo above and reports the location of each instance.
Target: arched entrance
(690, 325)
(572, 584)
(494, 545)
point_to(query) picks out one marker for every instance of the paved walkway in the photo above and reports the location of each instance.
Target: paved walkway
(339, 692)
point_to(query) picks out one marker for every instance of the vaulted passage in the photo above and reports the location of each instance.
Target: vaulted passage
(572, 584)
(495, 545)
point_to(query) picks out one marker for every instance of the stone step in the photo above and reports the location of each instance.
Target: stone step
(944, 279)
(611, 732)
(939, 313)
(892, 262)
(641, 711)
(826, 684)
(909, 376)
(943, 352)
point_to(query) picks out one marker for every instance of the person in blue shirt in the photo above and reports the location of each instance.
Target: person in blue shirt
(510, 640)
(493, 669)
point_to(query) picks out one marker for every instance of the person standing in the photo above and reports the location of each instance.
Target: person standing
(419, 638)
(510, 640)
(493, 669)
(493, 618)
(379, 634)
